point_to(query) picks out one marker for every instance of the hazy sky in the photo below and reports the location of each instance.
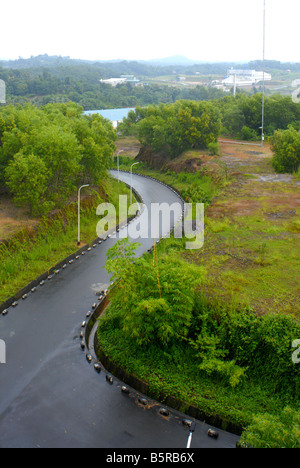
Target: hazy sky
(215, 30)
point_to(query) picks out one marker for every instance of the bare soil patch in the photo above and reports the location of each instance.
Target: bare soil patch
(12, 218)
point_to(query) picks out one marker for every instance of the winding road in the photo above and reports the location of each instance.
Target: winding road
(50, 396)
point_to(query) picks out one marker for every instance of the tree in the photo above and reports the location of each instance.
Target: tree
(233, 120)
(59, 150)
(27, 178)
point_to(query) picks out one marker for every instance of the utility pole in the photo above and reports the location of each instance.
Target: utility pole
(264, 87)
(234, 86)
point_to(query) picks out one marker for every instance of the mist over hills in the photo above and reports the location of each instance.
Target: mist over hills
(177, 63)
(46, 60)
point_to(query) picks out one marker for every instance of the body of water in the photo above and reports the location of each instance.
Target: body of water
(114, 115)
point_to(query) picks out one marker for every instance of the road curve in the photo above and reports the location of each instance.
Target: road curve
(50, 396)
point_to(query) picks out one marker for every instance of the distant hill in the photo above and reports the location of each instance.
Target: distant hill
(56, 60)
(140, 68)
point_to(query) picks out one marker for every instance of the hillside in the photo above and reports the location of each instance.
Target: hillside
(252, 226)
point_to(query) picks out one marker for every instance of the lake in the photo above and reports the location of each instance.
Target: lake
(115, 115)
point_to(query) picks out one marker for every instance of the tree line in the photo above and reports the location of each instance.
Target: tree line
(45, 153)
(242, 115)
(82, 85)
(174, 128)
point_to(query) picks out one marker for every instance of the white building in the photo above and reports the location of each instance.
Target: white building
(245, 77)
(124, 79)
(113, 81)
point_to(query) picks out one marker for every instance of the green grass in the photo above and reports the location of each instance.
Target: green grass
(252, 261)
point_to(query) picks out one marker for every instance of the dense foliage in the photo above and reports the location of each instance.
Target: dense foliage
(237, 117)
(286, 147)
(81, 84)
(152, 306)
(174, 128)
(42, 80)
(242, 116)
(154, 309)
(46, 152)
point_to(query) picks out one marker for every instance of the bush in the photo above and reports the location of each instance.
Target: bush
(154, 299)
(286, 146)
(174, 128)
(214, 148)
(248, 134)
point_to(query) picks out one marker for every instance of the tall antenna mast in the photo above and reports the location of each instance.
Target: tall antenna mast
(264, 87)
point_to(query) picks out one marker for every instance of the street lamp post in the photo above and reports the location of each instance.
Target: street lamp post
(78, 242)
(131, 181)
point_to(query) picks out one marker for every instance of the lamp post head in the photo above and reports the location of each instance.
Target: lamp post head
(134, 164)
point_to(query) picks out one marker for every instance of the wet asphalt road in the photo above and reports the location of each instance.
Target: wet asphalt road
(50, 396)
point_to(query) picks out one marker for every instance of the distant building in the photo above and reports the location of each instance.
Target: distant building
(245, 77)
(113, 81)
(123, 79)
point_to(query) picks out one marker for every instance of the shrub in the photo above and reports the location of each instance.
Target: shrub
(154, 299)
(248, 134)
(214, 148)
(286, 146)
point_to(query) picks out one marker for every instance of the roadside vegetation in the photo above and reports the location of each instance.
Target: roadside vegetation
(33, 251)
(226, 360)
(45, 155)
(232, 356)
